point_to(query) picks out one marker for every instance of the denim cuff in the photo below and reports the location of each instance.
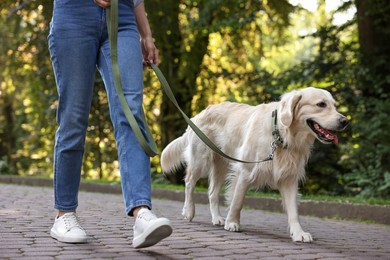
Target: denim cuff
(130, 209)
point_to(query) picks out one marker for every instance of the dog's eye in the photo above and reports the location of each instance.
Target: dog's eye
(321, 104)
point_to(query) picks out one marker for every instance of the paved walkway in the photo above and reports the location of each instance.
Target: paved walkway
(26, 216)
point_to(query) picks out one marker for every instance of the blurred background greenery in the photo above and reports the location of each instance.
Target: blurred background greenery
(212, 51)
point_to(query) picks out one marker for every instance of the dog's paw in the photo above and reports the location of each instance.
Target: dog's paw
(301, 236)
(235, 227)
(188, 214)
(218, 221)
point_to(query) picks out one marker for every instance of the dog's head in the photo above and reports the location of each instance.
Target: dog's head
(312, 110)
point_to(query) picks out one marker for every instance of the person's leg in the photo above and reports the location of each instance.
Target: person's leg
(134, 162)
(73, 45)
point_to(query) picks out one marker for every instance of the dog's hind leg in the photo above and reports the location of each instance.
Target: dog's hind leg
(216, 181)
(289, 192)
(233, 218)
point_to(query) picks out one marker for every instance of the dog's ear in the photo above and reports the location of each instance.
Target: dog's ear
(287, 106)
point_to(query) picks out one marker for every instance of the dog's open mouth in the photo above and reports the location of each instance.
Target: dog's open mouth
(324, 135)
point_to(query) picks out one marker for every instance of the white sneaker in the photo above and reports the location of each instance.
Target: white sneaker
(149, 230)
(67, 229)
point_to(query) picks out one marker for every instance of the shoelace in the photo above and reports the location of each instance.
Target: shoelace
(71, 221)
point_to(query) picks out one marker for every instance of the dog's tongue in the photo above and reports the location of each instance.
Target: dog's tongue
(328, 134)
(331, 135)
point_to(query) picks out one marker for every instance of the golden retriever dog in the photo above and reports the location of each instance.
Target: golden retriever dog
(285, 129)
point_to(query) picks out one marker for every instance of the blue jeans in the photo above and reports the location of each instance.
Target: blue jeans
(78, 44)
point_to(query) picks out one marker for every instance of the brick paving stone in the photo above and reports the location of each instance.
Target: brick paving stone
(273, 258)
(71, 257)
(39, 254)
(369, 257)
(33, 258)
(208, 253)
(211, 258)
(135, 257)
(340, 258)
(26, 216)
(304, 257)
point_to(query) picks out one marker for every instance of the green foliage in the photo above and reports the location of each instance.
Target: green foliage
(4, 167)
(369, 162)
(25, 101)
(370, 165)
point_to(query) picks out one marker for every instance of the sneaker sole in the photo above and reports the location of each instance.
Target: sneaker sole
(71, 240)
(153, 234)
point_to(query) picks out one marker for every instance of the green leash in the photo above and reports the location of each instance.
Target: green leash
(197, 131)
(112, 26)
(151, 150)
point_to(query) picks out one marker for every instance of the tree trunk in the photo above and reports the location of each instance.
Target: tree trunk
(373, 19)
(365, 26)
(8, 137)
(180, 67)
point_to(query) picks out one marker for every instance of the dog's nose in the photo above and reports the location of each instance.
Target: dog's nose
(343, 121)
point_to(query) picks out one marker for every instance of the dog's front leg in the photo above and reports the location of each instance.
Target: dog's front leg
(289, 192)
(233, 218)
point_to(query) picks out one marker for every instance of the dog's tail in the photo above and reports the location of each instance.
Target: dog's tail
(172, 157)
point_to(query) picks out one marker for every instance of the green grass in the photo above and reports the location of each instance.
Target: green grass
(327, 198)
(341, 199)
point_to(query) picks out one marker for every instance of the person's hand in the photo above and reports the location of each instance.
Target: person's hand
(149, 52)
(103, 3)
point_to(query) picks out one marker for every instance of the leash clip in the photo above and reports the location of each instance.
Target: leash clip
(273, 148)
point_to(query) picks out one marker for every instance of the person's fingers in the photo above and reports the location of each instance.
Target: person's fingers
(152, 53)
(156, 59)
(144, 56)
(103, 3)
